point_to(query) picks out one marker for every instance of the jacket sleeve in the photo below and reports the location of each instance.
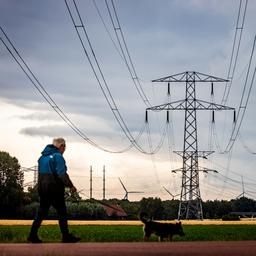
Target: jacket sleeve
(61, 170)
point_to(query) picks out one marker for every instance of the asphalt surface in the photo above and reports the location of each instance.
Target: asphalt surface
(234, 248)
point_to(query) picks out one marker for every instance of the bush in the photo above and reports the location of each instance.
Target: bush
(230, 217)
(76, 211)
(29, 211)
(85, 211)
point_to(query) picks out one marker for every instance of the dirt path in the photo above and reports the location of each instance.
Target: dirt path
(234, 248)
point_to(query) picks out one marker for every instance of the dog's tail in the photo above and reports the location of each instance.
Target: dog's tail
(144, 217)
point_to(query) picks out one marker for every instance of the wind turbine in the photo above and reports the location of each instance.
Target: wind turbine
(170, 193)
(244, 192)
(128, 192)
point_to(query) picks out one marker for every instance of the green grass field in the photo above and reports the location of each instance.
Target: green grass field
(18, 234)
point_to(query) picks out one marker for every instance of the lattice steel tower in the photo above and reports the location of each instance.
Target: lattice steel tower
(190, 206)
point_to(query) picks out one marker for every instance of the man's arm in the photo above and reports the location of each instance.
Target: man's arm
(61, 170)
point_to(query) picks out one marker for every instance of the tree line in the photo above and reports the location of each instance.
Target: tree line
(15, 203)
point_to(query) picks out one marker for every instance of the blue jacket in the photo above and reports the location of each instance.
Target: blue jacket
(53, 177)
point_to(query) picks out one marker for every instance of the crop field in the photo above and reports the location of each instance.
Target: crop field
(128, 232)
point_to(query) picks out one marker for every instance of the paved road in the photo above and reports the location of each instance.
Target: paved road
(237, 248)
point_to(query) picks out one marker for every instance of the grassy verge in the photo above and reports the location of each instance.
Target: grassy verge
(18, 234)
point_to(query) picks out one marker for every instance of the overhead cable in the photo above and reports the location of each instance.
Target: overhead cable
(247, 148)
(99, 74)
(125, 52)
(243, 102)
(40, 88)
(235, 51)
(107, 30)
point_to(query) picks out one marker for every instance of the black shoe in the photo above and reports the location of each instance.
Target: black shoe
(70, 239)
(34, 240)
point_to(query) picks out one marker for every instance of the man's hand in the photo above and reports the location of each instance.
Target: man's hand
(73, 189)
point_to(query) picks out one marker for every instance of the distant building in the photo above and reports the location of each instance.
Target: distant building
(115, 211)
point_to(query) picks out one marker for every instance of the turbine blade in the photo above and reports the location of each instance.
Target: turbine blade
(122, 185)
(168, 191)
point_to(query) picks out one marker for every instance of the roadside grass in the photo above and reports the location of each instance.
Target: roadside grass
(18, 234)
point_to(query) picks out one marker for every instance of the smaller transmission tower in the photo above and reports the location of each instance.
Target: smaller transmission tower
(90, 182)
(190, 206)
(104, 183)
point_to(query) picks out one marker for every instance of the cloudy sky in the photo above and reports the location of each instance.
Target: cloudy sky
(164, 38)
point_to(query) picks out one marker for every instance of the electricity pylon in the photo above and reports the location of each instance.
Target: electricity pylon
(32, 169)
(190, 206)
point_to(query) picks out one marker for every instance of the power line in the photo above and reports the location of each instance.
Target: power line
(34, 80)
(234, 172)
(234, 184)
(242, 105)
(215, 190)
(233, 62)
(170, 131)
(248, 149)
(36, 83)
(215, 137)
(125, 52)
(130, 66)
(152, 156)
(161, 142)
(100, 76)
(122, 54)
(106, 92)
(235, 51)
(107, 30)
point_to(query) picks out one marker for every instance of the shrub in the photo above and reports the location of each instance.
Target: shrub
(230, 217)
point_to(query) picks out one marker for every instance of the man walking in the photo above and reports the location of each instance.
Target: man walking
(52, 180)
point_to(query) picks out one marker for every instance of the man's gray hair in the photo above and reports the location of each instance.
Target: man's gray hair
(58, 142)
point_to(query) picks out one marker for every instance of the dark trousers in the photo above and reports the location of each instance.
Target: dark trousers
(58, 202)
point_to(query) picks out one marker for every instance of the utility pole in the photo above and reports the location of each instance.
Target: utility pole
(104, 181)
(243, 185)
(90, 182)
(35, 180)
(190, 206)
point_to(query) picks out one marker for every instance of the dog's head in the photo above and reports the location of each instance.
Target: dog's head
(179, 229)
(143, 216)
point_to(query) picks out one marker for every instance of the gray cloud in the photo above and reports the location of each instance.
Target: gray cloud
(47, 131)
(164, 38)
